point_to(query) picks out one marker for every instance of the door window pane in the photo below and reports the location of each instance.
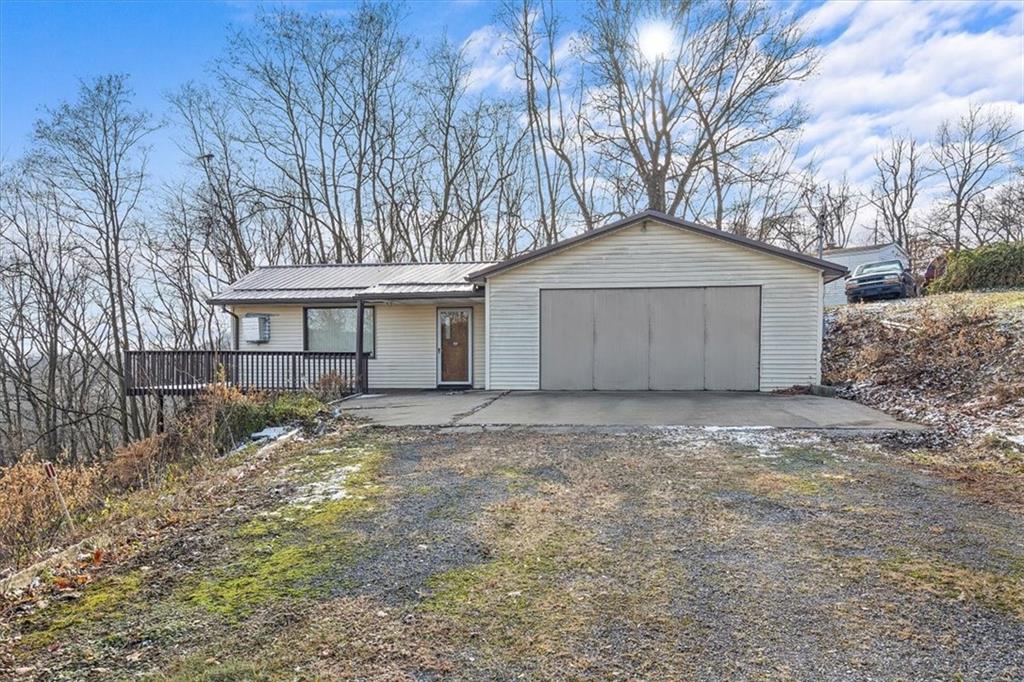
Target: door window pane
(334, 330)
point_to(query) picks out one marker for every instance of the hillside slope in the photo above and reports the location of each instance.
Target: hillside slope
(954, 362)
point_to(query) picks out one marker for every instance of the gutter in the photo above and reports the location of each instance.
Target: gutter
(476, 293)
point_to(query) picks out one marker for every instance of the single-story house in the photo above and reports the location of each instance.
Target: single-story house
(851, 257)
(650, 302)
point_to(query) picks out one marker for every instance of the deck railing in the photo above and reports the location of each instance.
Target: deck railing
(183, 372)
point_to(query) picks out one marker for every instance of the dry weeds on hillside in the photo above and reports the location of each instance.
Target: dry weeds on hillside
(953, 362)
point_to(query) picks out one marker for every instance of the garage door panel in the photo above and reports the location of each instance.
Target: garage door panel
(677, 339)
(732, 343)
(621, 339)
(567, 339)
(687, 338)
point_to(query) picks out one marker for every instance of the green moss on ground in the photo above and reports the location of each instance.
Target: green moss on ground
(279, 554)
(102, 600)
(260, 576)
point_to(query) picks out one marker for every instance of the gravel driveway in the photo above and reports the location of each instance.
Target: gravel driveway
(555, 554)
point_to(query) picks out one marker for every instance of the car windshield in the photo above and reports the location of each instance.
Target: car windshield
(874, 268)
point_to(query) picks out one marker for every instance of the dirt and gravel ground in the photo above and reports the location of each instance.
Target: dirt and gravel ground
(531, 554)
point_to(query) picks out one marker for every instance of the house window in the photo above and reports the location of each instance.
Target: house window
(334, 330)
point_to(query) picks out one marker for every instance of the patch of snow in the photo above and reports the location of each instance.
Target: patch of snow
(765, 441)
(272, 433)
(327, 490)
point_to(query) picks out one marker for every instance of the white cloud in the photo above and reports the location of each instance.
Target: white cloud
(885, 66)
(829, 15)
(491, 66)
(491, 61)
(906, 67)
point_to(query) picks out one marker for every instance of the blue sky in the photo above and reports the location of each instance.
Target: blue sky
(885, 64)
(47, 47)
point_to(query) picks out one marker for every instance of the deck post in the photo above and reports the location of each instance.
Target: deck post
(159, 412)
(360, 378)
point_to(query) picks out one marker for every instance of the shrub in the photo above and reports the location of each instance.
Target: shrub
(986, 267)
(136, 464)
(230, 415)
(333, 385)
(294, 407)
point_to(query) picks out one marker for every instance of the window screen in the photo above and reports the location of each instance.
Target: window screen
(334, 330)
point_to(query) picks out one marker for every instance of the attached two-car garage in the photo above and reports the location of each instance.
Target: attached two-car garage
(653, 302)
(664, 338)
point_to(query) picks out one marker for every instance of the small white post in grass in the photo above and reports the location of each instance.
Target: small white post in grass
(51, 474)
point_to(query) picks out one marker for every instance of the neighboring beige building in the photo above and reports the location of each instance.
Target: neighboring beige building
(647, 303)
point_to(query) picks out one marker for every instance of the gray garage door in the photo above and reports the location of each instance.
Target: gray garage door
(678, 339)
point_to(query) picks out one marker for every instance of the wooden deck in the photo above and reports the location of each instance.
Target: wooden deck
(186, 372)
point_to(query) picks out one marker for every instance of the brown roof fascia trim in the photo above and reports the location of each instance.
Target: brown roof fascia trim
(275, 301)
(422, 295)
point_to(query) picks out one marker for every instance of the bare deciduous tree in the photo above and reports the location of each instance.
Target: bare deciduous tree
(899, 173)
(971, 154)
(556, 123)
(833, 211)
(682, 119)
(93, 150)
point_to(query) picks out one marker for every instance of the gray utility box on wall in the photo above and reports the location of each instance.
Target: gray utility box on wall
(256, 328)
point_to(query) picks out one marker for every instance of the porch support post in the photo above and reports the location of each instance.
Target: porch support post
(159, 412)
(360, 368)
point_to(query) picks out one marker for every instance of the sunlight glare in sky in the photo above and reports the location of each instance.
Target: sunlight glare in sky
(656, 40)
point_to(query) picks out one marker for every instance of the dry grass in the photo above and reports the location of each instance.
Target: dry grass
(30, 514)
(953, 362)
(939, 350)
(1004, 592)
(521, 555)
(159, 466)
(342, 638)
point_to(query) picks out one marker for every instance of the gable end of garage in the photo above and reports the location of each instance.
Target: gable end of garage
(830, 271)
(654, 262)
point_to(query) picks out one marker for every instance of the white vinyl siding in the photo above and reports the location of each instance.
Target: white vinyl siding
(285, 327)
(406, 338)
(659, 256)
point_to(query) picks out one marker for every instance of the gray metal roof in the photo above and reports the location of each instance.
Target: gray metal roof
(341, 283)
(346, 283)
